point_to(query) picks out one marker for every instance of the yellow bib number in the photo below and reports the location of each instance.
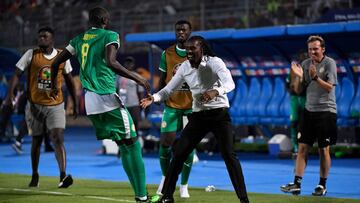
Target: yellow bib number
(84, 53)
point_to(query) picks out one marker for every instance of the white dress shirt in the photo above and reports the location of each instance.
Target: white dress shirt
(211, 74)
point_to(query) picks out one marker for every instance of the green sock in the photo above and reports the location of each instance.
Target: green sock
(185, 173)
(133, 164)
(165, 157)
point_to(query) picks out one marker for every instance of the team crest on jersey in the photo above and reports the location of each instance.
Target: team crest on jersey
(163, 124)
(176, 67)
(322, 69)
(44, 78)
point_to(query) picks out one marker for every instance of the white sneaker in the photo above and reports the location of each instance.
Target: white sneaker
(184, 193)
(158, 192)
(195, 159)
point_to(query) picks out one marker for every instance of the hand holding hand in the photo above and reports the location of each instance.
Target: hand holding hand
(147, 101)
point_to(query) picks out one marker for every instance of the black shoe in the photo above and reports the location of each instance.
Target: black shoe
(319, 191)
(167, 199)
(34, 181)
(153, 199)
(291, 188)
(66, 182)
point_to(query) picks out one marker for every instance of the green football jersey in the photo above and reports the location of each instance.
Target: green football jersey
(90, 47)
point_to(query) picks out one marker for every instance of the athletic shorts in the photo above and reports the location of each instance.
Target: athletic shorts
(172, 120)
(320, 126)
(40, 119)
(115, 125)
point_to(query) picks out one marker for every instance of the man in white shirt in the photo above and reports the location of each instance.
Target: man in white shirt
(209, 81)
(44, 114)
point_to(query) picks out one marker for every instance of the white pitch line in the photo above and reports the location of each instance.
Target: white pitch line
(108, 198)
(42, 191)
(67, 194)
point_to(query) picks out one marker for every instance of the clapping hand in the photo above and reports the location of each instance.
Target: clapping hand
(296, 69)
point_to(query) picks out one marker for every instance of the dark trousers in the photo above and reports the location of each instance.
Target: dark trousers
(218, 122)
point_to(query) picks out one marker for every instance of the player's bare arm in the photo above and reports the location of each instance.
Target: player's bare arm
(14, 81)
(111, 61)
(71, 87)
(61, 58)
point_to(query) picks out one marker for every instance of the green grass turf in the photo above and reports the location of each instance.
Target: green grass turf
(13, 188)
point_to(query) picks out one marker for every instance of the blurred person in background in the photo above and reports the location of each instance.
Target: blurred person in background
(297, 104)
(130, 92)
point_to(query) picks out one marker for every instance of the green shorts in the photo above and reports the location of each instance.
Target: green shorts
(115, 125)
(172, 120)
(297, 104)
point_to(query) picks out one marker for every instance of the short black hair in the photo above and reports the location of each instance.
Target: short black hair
(47, 29)
(96, 14)
(182, 22)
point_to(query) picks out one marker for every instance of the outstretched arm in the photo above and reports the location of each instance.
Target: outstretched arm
(120, 70)
(61, 58)
(71, 87)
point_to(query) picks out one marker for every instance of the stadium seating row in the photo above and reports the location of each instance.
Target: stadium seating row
(265, 101)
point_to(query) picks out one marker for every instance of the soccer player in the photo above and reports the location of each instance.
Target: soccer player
(44, 114)
(96, 51)
(316, 76)
(177, 106)
(209, 81)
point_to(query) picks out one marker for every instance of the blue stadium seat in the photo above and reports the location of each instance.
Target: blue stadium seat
(272, 109)
(251, 99)
(231, 96)
(261, 104)
(284, 111)
(343, 105)
(238, 107)
(355, 105)
(338, 91)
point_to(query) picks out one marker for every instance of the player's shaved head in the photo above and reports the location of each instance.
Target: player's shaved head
(98, 16)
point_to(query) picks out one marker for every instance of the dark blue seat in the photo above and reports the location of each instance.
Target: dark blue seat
(355, 105)
(284, 111)
(343, 105)
(261, 104)
(273, 107)
(338, 91)
(251, 99)
(238, 107)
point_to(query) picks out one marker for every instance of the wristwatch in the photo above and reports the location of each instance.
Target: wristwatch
(316, 77)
